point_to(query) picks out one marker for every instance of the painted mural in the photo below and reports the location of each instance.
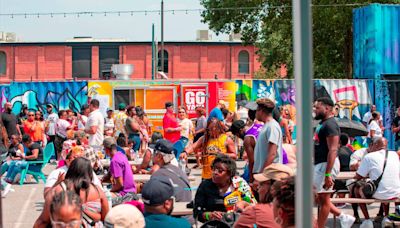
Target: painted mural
(352, 96)
(36, 95)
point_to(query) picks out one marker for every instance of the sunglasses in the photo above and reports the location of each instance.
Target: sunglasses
(31, 115)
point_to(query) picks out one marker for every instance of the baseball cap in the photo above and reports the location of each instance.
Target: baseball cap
(252, 105)
(121, 106)
(108, 142)
(164, 146)
(157, 190)
(110, 109)
(237, 125)
(274, 171)
(124, 216)
(49, 106)
(166, 149)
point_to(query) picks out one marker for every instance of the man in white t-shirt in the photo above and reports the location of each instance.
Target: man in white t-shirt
(51, 121)
(367, 116)
(372, 166)
(95, 124)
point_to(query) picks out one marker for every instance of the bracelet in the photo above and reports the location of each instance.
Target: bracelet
(328, 174)
(207, 215)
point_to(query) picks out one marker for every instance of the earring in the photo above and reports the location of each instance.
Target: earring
(278, 220)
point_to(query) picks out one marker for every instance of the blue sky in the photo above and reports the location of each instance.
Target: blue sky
(177, 27)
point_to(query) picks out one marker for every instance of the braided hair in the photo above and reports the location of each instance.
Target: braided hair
(283, 193)
(63, 199)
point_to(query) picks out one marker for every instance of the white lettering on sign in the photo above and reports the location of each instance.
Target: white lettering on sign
(194, 99)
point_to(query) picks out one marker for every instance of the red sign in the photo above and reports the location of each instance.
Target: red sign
(194, 96)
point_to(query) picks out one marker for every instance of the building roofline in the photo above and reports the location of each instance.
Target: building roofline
(114, 43)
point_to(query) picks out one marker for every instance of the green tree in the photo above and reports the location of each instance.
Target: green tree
(268, 25)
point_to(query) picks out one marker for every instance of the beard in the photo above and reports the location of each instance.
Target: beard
(8, 109)
(319, 116)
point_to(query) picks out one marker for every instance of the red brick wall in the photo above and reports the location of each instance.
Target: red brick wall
(186, 61)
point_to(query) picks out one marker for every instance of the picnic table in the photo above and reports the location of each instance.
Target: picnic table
(345, 175)
(180, 209)
(146, 177)
(106, 162)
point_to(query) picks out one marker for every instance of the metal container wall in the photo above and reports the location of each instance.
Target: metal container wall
(376, 32)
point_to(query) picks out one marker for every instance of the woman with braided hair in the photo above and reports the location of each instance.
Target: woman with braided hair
(66, 210)
(215, 141)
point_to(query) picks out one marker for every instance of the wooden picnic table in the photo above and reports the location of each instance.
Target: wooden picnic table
(345, 175)
(146, 177)
(106, 162)
(180, 209)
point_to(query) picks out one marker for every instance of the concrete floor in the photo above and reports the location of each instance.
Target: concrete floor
(21, 208)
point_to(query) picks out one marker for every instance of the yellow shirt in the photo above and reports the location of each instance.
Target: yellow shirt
(214, 146)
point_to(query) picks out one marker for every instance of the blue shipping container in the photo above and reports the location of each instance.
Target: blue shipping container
(376, 42)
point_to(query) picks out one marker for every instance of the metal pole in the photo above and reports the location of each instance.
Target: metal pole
(302, 40)
(152, 53)
(162, 36)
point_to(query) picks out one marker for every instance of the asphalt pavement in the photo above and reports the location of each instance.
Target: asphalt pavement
(22, 207)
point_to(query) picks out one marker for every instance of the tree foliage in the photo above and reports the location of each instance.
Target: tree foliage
(268, 25)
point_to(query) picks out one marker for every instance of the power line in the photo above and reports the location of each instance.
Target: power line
(172, 11)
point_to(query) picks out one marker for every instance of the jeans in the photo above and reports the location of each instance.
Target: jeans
(14, 168)
(136, 138)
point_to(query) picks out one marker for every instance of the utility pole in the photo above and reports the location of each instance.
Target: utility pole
(153, 47)
(303, 70)
(162, 36)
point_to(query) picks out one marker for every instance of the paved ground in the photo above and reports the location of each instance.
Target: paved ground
(21, 208)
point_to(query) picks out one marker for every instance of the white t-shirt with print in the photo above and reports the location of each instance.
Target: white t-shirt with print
(96, 119)
(52, 119)
(372, 166)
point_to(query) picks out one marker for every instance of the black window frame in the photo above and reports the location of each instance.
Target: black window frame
(75, 68)
(244, 64)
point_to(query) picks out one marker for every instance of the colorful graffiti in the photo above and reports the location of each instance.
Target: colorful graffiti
(36, 95)
(353, 96)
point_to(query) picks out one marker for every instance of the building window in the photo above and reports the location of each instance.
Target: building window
(165, 65)
(108, 56)
(3, 62)
(244, 62)
(82, 62)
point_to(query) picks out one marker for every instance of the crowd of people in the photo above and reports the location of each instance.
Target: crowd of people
(83, 191)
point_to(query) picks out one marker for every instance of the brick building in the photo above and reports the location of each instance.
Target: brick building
(58, 61)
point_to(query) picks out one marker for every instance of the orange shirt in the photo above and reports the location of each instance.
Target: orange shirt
(37, 133)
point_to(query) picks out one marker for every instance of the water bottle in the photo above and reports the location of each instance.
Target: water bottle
(182, 164)
(108, 196)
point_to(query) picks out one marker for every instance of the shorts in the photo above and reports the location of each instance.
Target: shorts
(319, 176)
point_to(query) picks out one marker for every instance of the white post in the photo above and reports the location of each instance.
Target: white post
(302, 42)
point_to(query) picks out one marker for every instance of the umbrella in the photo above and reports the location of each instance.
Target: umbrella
(350, 127)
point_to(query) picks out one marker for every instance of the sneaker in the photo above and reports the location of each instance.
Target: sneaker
(346, 221)
(367, 224)
(6, 190)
